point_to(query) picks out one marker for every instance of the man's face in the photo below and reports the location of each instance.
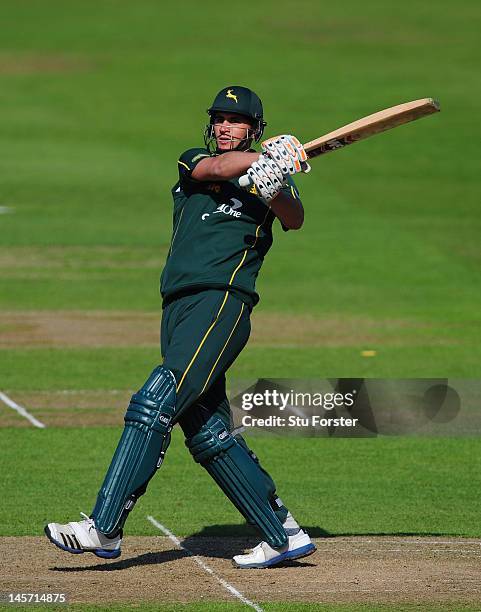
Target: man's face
(230, 130)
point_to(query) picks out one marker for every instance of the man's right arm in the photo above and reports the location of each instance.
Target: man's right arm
(223, 167)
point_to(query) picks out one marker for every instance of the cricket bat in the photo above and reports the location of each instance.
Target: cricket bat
(366, 127)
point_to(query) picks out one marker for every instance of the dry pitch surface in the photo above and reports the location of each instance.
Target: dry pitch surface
(355, 569)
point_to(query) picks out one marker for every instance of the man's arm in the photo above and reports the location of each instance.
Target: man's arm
(223, 167)
(288, 210)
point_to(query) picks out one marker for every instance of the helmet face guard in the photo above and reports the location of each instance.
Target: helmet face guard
(241, 101)
(243, 144)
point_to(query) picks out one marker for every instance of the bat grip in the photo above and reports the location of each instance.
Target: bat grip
(245, 181)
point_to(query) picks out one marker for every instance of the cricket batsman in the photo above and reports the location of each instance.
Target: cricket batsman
(221, 234)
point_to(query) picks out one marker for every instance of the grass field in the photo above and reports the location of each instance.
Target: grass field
(97, 100)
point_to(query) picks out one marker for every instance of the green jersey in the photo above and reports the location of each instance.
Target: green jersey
(221, 234)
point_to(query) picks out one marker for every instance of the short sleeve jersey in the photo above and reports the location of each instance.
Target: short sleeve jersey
(221, 234)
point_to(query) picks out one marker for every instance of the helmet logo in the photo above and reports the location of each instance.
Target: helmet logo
(229, 94)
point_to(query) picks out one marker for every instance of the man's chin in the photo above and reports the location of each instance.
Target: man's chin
(226, 146)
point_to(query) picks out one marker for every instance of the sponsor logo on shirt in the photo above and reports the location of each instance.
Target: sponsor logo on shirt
(231, 210)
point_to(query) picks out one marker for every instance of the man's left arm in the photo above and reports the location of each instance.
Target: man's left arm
(271, 174)
(287, 207)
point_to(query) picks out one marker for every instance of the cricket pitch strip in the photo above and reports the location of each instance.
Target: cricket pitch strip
(367, 569)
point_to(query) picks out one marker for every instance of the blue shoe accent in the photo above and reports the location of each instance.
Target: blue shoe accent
(106, 554)
(303, 551)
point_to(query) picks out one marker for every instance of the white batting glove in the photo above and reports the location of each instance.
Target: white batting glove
(287, 152)
(266, 175)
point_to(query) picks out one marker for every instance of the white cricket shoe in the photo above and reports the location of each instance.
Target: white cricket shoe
(82, 536)
(299, 545)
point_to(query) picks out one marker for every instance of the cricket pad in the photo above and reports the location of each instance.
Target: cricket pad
(140, 451)
(239, 476)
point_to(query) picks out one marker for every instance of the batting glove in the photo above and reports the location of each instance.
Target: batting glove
(287, 152)
(266, 175)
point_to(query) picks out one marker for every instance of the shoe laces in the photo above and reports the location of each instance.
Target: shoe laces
(88, 520)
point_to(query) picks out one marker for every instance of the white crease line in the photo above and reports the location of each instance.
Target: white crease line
(232, 590)
(437, 551)
(4, 210)
(21, 410)
(332, 540)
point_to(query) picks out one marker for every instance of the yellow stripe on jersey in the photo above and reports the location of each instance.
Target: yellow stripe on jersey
(182, 163)
(238, 267)
(200, 156)
(251, 247)
(175, 233)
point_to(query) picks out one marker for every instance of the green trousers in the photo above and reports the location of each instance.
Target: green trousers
(201, 336)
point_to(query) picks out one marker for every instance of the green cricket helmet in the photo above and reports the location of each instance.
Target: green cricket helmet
(240, 100)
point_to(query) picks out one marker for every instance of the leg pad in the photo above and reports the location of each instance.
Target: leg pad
(239, 476)
(140, 451)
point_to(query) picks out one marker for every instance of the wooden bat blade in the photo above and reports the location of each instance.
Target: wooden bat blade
(370, 125)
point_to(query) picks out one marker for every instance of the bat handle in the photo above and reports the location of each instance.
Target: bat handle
(245, 181)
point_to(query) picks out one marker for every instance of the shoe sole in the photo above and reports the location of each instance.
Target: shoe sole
(99, 552)
(290, 555)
